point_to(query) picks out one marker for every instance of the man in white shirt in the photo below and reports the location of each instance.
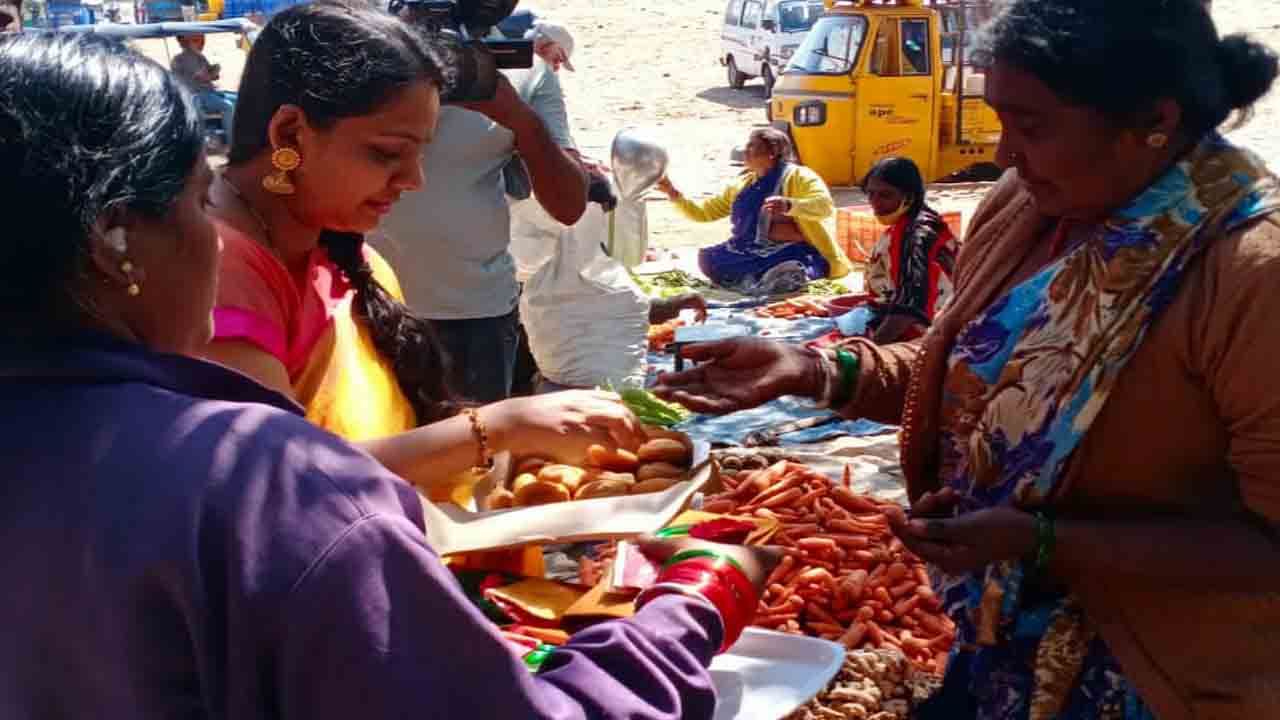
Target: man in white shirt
(449, 241)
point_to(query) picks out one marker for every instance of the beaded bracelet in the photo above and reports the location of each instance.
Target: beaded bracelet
(484, 456)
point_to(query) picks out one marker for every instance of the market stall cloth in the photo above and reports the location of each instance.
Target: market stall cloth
(734, 428)
(740, 319)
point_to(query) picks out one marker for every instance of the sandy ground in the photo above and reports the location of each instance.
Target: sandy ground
(656, 66)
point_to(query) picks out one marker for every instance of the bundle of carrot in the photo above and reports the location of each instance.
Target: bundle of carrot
(845, 576)
(795, 307)
(660, 336)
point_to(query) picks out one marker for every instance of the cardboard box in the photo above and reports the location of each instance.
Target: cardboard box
(453, 529)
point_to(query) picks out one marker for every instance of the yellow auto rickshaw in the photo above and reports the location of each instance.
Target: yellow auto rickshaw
(875, 78)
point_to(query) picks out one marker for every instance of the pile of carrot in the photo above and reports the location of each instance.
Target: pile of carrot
(795, 307)
(660, 336)
(845, 577)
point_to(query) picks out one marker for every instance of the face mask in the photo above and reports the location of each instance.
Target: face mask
(893, 217)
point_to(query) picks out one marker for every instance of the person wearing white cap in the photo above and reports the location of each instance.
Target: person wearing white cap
(553, 43)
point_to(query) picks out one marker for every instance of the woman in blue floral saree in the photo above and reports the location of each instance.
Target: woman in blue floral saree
(1091, 429)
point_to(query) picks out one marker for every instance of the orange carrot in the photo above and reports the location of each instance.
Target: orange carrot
(905, 607)
(854, 636)
(851, 501)
(806, 499)
(819, 614)
(907, 587)
(874, 634)
(781, 570)
(855, 583)
(817, 543)
(856, 542)
(822, 627)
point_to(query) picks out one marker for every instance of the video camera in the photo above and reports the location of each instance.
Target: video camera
(463, 27)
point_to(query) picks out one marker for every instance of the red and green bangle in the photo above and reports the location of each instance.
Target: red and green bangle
(715, 577)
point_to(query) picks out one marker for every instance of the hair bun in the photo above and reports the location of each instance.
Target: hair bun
(1249, 69)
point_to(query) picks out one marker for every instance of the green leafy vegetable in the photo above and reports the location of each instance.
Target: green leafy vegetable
(649, 409)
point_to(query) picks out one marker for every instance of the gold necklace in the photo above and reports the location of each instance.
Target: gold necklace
(262, 223)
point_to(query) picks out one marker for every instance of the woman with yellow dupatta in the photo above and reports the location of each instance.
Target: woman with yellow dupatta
(1091, 429)
(335, 104)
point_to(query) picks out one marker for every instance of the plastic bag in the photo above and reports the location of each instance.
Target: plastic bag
(586, 318)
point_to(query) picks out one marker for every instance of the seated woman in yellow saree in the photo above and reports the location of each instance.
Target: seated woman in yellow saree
(329, 134)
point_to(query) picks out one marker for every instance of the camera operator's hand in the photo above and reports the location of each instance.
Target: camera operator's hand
(505, 108)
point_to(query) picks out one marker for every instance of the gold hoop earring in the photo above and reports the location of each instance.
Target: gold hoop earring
(1157, 140)
(285, 160)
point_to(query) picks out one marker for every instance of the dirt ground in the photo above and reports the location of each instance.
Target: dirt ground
(655, 65)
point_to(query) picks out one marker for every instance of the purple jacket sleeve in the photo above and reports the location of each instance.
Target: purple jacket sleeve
(378, 628)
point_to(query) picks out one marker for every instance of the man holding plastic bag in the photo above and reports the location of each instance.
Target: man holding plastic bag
(587, 320)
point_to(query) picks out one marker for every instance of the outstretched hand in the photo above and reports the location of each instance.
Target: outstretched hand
(739, 374)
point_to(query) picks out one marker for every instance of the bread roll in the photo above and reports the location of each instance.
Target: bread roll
(612, 486)
(521, 480)
(665, 450)
(613, 460)
(566, 475)
(650, 471)
(500, 499)
(542, 492)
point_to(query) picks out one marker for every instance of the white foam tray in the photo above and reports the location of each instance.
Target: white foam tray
(766, 675)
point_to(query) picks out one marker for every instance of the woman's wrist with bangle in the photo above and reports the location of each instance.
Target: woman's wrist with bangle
(714, 578)
(850, 366)
(483, 440)
(820, 377)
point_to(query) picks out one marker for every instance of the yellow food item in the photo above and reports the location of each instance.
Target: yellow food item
(542, 492)
(626, 478)
(501, 499)
(566, 475)
(653, 485)
(664, 450)
(522, 480)
(614, 460)
(650, 471)
(602, 487)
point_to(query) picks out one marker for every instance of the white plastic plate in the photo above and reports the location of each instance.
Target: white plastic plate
(766, 675)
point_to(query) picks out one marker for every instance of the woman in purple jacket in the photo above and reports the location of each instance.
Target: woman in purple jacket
(177, 540)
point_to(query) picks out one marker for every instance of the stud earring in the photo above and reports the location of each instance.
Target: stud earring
(117, 239)
(134, 290)
(1157, 140)
(284, 160)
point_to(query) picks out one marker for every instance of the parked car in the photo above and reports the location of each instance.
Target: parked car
(759, 37)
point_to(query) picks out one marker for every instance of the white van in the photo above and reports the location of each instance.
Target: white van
(759, 37)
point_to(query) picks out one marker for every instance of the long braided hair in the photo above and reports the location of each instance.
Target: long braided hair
(337, 60)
